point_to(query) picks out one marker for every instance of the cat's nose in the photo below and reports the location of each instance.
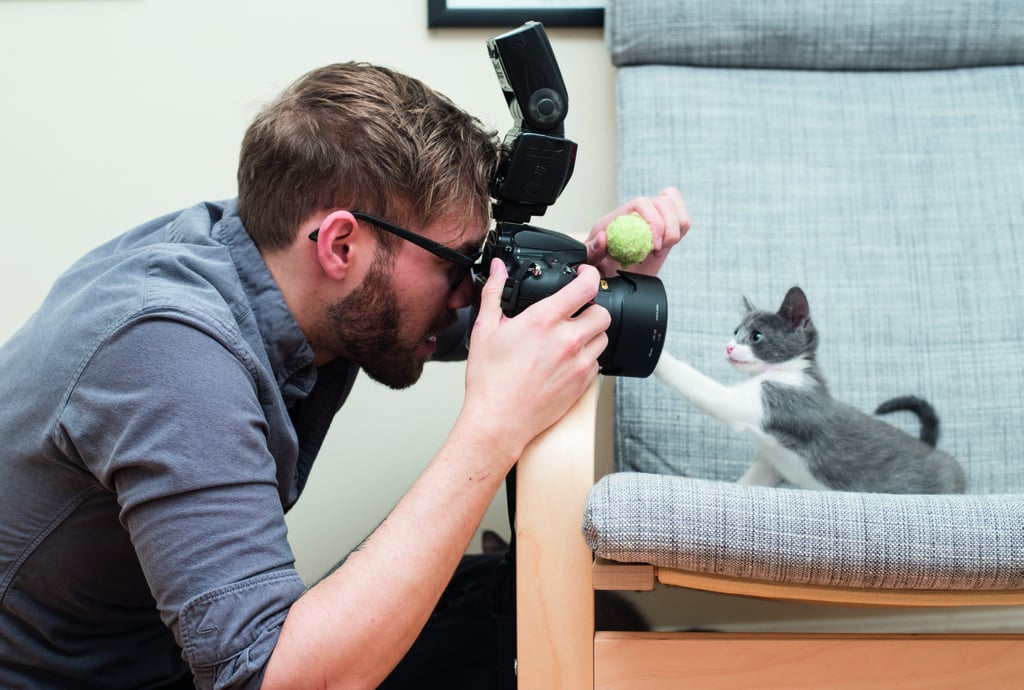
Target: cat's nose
(729, 348)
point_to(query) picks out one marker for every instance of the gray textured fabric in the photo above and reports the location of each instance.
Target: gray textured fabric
(811, 34)
(809, 537)
(896, 200)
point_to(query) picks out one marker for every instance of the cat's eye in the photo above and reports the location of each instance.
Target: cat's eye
(755, 336)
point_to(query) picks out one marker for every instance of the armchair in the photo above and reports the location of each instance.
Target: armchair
(872, 154)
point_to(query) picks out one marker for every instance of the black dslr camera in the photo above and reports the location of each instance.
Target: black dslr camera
(536, 163)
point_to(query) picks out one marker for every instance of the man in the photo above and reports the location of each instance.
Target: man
(164, 406)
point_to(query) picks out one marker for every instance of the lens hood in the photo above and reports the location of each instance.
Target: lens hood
(639, 309)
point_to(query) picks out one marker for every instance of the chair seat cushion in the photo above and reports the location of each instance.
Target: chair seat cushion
(827, 538)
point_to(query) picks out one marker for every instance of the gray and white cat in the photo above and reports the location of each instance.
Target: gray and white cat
(803, 435)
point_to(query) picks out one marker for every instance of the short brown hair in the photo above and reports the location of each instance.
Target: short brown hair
(363, 137)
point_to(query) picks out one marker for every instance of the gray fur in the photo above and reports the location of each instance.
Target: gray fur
(844, 448)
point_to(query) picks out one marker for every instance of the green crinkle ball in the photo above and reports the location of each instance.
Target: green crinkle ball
(629, 239)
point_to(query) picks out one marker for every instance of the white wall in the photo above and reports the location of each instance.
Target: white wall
(115, 111)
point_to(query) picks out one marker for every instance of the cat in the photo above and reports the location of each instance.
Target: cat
(612, 610)
(802, 435)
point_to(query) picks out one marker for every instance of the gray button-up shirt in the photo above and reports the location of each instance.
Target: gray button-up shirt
(159, 414)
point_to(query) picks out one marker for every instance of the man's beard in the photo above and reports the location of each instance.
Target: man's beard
(365, 326)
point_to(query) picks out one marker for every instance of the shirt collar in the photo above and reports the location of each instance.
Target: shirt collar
(289, 353)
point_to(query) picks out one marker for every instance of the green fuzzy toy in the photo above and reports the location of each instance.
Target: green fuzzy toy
(629, 239)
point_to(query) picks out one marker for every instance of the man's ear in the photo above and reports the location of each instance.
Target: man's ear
(341, 244)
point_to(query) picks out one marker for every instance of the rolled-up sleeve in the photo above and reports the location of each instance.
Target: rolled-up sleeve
(228, 647)
(174, 421)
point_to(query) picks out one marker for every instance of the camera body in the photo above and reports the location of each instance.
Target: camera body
(536, 164)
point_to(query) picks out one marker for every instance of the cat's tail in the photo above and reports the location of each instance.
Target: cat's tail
(924, 411)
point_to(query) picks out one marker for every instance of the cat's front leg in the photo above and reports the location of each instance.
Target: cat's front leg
(738, 406)
(760, 473)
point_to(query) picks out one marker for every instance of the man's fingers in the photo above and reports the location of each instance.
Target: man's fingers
(579, 292)
(490, 293)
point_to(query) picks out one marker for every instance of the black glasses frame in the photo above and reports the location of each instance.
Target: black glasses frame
(463, 261)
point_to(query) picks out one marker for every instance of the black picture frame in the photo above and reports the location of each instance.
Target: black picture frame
(440, 15)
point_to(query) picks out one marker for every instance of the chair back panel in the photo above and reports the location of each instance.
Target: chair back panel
(810, 34)
(895, 199)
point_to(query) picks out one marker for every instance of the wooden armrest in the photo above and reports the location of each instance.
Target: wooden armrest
(554, 600)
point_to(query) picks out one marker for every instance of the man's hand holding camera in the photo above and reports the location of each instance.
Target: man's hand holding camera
(538, 362)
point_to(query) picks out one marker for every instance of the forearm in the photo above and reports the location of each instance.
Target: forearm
(353, 627)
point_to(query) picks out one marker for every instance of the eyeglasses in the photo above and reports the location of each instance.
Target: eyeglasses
(463, 262)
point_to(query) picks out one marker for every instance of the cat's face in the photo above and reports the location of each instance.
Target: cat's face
(766, 339)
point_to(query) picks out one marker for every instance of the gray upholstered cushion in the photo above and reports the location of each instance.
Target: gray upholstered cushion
(811, 34)
(896, 200)
(809, 537)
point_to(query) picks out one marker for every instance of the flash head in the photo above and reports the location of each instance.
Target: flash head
(529, 76)
(536, 159)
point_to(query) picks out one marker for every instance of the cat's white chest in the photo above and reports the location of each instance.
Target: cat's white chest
(788, 464)
(792, 373)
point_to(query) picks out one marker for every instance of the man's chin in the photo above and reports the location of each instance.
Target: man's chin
(396, 378)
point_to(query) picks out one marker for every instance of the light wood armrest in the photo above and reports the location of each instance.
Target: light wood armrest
(555, 600)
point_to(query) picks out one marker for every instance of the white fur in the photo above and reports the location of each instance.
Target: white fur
(741, 407)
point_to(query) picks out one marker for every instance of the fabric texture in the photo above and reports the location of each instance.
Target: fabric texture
(828, 538)
(894, 201)
(893, 198)
(810, 34)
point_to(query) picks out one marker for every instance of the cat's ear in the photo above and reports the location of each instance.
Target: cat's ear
(795, 310)
(747, 305)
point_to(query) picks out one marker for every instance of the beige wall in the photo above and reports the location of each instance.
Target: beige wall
(116, 111)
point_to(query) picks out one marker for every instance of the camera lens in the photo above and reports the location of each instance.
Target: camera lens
(639, 309)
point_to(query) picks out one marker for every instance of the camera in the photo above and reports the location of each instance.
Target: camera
(536, 163)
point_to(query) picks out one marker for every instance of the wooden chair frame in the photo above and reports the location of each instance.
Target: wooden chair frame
(558, 647)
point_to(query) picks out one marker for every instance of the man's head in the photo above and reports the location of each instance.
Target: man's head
(357, 150)
(363, 137)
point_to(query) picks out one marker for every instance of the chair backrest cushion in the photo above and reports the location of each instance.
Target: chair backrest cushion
(811, 34)
(894, 198)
